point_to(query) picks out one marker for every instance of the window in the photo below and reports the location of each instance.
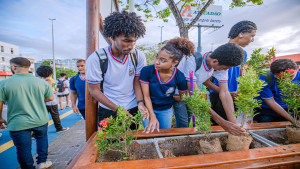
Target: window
(2, 48)
(12, 50)
(3, 59)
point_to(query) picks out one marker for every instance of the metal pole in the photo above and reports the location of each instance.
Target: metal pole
(161, 27)
(54, 70)
(131, 5)
(199, 39)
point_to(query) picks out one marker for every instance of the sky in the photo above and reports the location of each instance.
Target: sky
(26, 23)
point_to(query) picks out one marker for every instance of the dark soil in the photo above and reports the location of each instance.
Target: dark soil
(138, 152)
(190, 146)
(277, 136)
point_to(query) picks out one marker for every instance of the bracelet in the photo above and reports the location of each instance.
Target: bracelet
(140, 101)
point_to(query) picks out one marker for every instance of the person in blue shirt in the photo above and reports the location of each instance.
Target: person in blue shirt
(160, 80)
(242, 33)
(273, 109)
(77, 86)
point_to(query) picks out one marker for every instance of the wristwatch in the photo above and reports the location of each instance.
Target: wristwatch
(140, 101)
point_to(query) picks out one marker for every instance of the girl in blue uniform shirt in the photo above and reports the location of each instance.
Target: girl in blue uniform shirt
(160, 80)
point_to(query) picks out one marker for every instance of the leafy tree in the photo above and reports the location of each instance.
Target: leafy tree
(150, 52)
(69, 72)
(152, 9)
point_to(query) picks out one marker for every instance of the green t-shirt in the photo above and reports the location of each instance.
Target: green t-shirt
(25, 96)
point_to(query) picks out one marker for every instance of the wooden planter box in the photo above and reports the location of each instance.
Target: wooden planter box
(273, 157)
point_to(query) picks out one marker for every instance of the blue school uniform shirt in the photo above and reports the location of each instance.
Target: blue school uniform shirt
(273, 92)
(233, 74)
(77, 83)
(161, 93)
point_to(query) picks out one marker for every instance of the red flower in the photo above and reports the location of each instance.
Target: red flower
(104, 124)
(290, 71)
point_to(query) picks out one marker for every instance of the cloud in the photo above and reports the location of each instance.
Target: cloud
(25, 23)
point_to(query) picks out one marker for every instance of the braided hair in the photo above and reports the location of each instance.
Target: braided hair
(241, 27)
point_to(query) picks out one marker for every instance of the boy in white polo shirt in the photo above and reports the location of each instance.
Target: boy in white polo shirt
(216, 64)
(120, 83)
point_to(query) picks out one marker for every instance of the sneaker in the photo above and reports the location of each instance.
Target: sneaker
(62, 130)
(45, 165)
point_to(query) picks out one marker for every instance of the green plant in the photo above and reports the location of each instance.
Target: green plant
(249, 86)
(260, 62)
(115, 133)
(291, 94)
(198, 104)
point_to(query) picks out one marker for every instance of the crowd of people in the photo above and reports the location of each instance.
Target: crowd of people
(118, 75)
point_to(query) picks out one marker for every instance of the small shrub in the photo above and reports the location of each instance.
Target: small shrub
(115, 134)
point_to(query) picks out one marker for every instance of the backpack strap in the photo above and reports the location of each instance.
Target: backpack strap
(103, 60)
(199, 59)
(134, 59)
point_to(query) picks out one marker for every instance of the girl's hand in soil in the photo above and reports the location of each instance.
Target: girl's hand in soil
(233, 128)
(153, 122)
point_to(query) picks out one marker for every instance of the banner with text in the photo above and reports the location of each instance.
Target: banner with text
(211, 17)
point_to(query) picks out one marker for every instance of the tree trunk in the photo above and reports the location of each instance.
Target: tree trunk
(184, 32)
(182, 28)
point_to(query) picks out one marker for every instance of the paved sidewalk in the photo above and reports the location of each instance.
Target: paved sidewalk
(66, 146)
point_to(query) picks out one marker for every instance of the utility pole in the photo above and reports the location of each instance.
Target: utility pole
(161, 27)
(131, 5)
(54, 70)
(199, 39)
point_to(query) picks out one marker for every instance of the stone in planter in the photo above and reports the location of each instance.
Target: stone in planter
(293, 134)
(238, 142)
(210, 145)
(137, 152)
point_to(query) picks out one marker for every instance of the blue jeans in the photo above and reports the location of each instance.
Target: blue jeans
(164, 118)
(182, 115)
(82, 112)
(22, 141)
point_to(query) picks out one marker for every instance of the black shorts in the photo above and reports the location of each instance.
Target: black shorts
(63, 95)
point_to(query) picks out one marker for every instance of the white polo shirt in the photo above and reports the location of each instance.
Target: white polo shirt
(205, 73)
(118, 80)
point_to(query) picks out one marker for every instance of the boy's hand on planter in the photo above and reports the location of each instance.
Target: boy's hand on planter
(153, 122)
(233, 128)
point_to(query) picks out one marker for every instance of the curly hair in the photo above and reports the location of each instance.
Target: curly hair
(241, 27)
(124, 23)
(44, 71)
(178, 47)
(229, 54)
(281, 65)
